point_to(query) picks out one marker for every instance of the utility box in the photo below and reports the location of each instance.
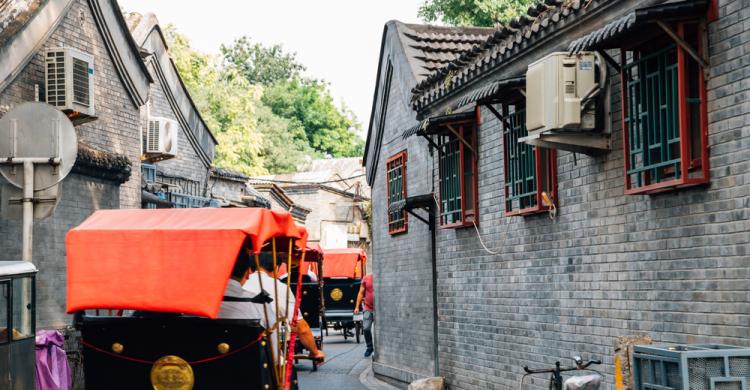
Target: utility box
(691, 367)
(556, 86)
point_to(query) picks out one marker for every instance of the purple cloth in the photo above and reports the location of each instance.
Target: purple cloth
(52, 370)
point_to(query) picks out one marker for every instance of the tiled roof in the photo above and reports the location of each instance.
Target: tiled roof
(228, 174)
(503, 44)
(14, 14)
(104, 165)
(429, 48)
(612, 32)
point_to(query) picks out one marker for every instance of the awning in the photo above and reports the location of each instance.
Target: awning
(167, 260)
(344, 263)
(612, 34)
(431, 125)
(491, 91)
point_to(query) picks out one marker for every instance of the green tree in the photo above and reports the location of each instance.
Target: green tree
(260, 64)
(484, 13)
(328, 129)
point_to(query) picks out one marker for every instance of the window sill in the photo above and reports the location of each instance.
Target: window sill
(666, 186)
(527, 211)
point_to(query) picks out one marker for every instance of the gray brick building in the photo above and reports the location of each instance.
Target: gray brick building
(637, 243)
(107, 171)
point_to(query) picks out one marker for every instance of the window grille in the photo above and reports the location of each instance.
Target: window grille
(396, 187)
(457, 173)
(529, 170)
(664, 116)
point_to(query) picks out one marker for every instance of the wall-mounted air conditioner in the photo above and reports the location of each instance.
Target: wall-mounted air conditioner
(69, 83)
(161, 138)
(565, 95)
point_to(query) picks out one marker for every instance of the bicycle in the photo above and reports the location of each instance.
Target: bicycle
(556, 379)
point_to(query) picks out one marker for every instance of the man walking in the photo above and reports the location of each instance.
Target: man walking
(368, 315)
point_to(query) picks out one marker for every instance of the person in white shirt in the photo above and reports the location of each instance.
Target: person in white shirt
(263, 276)
(242, 308)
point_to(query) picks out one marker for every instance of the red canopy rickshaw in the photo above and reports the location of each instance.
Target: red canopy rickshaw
(172, 261)
(343, 270)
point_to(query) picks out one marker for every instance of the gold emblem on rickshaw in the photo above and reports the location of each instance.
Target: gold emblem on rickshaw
(172, 373)
(337, 294)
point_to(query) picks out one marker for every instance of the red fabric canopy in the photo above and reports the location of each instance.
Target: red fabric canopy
(169, 260)
(344, 263)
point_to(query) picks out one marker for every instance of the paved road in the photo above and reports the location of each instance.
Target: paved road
(344, 363)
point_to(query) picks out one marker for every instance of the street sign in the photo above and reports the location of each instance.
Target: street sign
(37, 130)
(38, 147)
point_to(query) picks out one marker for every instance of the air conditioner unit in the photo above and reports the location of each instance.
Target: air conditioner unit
(161, 137)
(556, 87)
(69, 83)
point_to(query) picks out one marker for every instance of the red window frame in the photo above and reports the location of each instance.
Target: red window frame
(397, 160)
(546, 180)
(469, 217)
(688, 165)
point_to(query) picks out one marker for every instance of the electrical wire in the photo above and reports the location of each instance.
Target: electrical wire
(482, 241)
(305, 182)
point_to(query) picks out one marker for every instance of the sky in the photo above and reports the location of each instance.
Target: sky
(337, 40)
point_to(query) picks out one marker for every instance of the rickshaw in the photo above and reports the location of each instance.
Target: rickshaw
(311, 296)
(343, 270)
(172, 267)
(17, 329)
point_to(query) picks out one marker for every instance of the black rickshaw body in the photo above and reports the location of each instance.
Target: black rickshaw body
(129, 352)
(17, 325)
(340, 292)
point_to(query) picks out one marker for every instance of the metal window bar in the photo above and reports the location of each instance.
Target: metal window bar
(450, 180)
(395, 176)
(653, 117)
(520, 179)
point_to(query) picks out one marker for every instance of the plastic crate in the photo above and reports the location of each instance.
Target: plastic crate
(691, 367)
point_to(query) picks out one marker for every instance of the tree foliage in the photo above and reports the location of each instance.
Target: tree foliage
(266, 118)
(484, 13)
(327, 129)
(259, 64)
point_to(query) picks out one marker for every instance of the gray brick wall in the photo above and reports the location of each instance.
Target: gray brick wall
(673, 266)
(116, 130)
(81, 195)
(227, 189)
(401, 263)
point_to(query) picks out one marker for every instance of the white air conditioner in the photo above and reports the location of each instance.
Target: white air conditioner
(161, 137)
(556, 87)
(69, 83)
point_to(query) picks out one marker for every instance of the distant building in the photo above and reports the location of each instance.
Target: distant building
(337, 195)
(280, 200)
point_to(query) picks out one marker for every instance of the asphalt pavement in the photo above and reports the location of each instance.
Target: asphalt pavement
(345, 365)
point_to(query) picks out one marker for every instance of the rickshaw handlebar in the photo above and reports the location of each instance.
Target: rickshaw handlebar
(580, 366)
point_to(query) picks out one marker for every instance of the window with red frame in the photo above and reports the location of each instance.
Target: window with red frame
(530, 171)
(396, 188)
(665, 125)
(458, 174)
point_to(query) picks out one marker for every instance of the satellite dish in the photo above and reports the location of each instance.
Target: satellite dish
(37, 130)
